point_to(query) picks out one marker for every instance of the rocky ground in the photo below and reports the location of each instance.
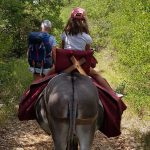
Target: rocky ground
(27, 135)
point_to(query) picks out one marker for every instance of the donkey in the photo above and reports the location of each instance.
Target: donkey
(68, 109)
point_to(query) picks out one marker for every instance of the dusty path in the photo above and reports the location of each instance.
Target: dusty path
(27, 135)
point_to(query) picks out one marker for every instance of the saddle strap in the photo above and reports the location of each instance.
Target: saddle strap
(80, 121)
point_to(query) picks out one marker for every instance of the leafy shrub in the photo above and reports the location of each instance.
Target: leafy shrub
(18, 18)
(14, 79)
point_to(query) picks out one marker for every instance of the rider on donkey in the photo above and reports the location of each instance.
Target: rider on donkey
(76, 36)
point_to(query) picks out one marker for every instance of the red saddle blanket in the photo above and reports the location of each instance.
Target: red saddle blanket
(28, 99)
(63, 57)
(113, 106)
(113, 110)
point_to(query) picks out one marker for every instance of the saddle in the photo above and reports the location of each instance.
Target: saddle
(81, 61)
(74, 60)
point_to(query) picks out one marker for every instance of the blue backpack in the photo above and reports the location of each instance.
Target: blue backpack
(39, 50)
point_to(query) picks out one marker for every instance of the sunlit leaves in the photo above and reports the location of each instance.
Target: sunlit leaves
(19, 17)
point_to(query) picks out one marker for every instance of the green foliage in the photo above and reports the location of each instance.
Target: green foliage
(129, 35)
(18, 18)
(14, 78)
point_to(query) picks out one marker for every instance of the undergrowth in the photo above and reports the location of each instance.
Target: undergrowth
(14, 79)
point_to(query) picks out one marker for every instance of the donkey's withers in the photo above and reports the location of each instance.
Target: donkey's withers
(68, 108)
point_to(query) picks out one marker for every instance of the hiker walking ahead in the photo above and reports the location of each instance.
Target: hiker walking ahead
(41, 46)
(76, 36)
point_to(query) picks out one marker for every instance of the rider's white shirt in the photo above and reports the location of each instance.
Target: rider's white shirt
(76, 42)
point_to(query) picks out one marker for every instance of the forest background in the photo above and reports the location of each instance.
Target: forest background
(121, 41)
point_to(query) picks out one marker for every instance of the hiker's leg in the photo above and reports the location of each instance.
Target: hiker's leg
(100, 79)
(51, 71)
(37, 76)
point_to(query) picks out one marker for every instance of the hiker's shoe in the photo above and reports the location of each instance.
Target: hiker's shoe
(119, 95)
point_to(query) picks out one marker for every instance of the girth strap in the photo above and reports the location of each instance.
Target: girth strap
(79, 121)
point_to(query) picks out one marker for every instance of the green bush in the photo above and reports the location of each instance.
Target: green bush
(14, 79)
(18, 18)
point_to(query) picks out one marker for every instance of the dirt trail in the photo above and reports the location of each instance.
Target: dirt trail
(27, 135)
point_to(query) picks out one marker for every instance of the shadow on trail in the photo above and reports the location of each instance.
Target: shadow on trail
(24, 135)
(146, 139)
(40, 145)
(143, 139)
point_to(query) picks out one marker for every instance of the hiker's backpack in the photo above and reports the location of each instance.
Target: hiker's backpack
(39, 50)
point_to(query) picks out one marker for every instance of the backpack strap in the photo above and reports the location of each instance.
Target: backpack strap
(42, 63)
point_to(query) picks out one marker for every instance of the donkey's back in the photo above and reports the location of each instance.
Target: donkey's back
(68, 108)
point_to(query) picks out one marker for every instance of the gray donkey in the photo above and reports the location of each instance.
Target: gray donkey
(68, 110)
